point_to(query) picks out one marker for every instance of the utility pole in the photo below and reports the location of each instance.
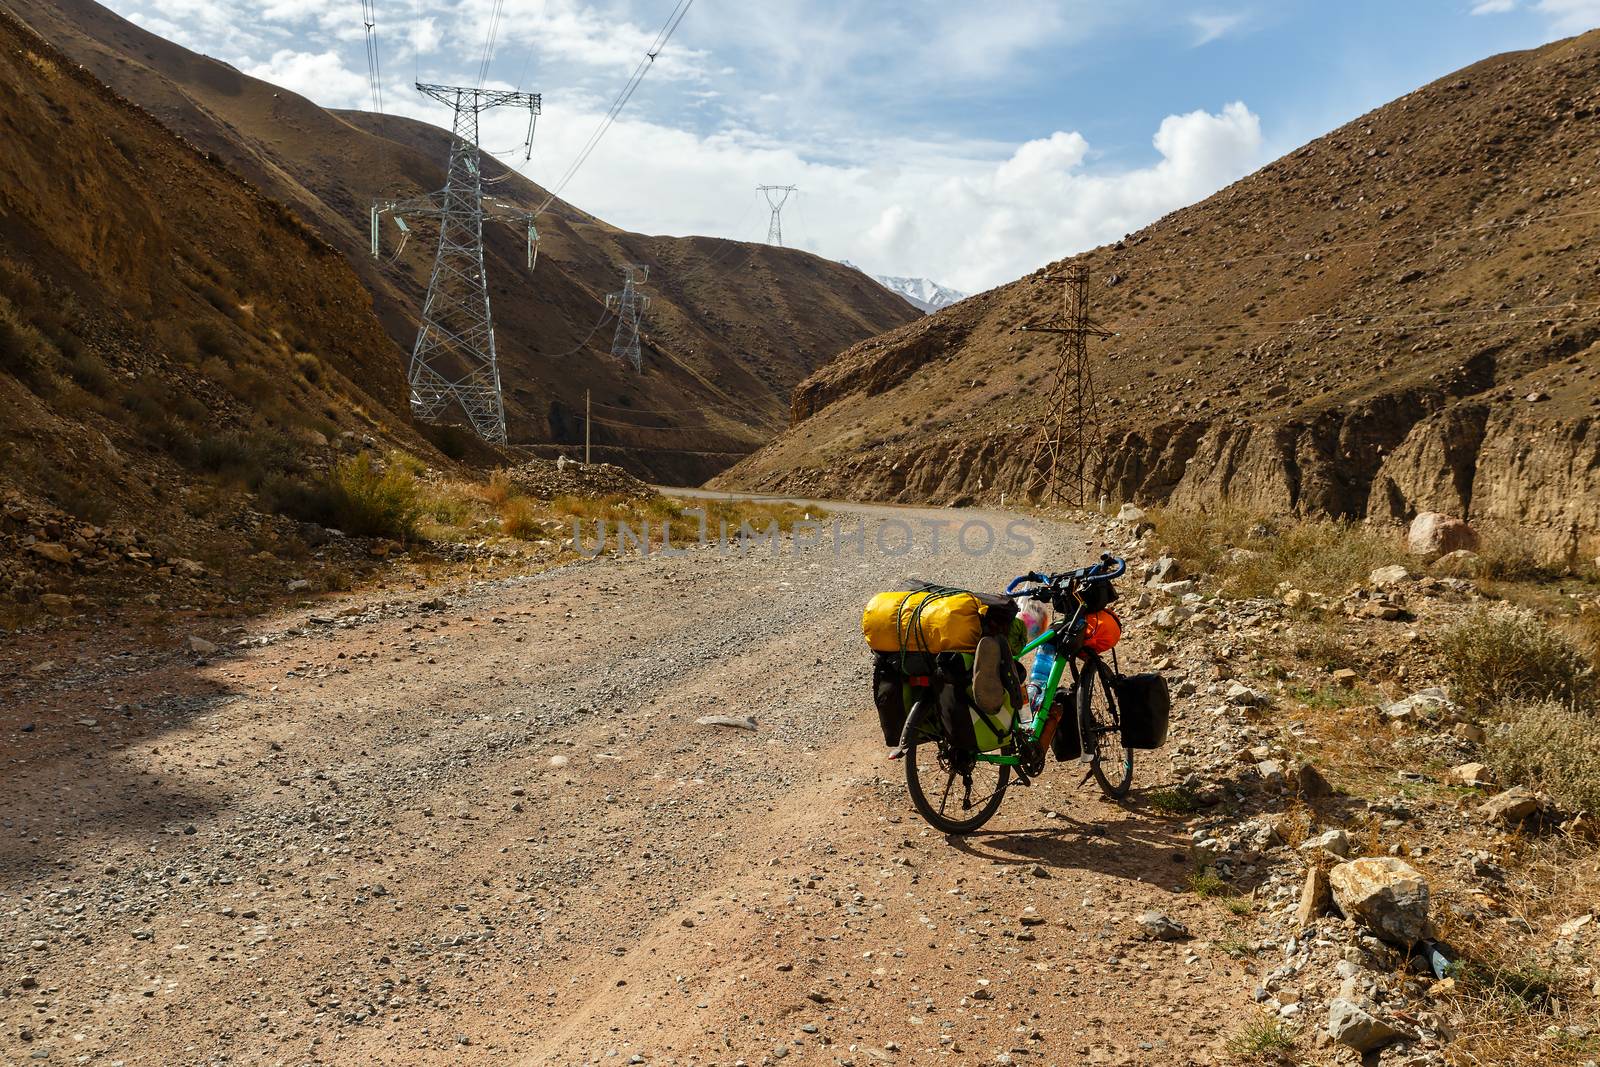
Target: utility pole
(775, 228)
(453, 361)
(586, 423)
(1059, 468)
(629, 305)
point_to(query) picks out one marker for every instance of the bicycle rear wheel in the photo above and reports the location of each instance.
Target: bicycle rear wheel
(1100, 726)
(954, 791)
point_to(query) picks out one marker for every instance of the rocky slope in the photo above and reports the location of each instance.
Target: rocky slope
(1399, 316)
(167, 334)
(732, 326)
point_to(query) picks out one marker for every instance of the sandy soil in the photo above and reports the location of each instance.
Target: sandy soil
(481, 825)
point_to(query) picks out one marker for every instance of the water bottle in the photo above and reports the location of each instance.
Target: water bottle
(1044, 661)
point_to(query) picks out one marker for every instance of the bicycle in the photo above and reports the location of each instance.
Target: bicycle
(1092, 695)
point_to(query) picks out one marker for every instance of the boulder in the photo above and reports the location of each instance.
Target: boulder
(1335, 842)
(1171, 618)
(1352, 1025)
(200, 646)
(1385, 577)
(1386, 894)
(1310, 783)
(1433, 534)
(1511, 806)
(1166, 569)
(56, 604)
(1424, 703)
(1241, 695)
(1130, 513)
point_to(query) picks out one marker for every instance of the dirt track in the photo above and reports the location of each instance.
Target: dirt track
(490, 831)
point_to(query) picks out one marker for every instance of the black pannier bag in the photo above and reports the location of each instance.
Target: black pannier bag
(1145, 704)
(1066, 744)
(1097, 596)
(891, 689)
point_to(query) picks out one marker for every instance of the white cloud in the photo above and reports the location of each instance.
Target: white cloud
(1208, 28)
(1564, 16)
(322, 76)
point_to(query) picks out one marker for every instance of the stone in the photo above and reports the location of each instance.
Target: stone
(1295, 598)
(56, 604)
(1473, 774)
(1310, 783)
(50, 550)
(1165, 569)
(1271, 771)
(1511, 806)
(1352, 1025)
(200, 646)
(1241, 695)
(1385, 894)
(1171, 618)
(1335, 842)
(1462, 563)
(1469, 732)
(1157, 926)
(1315, 897)
(1423, 703)
(1387, 577)
(297, 585)
(733, 722)
(1345, 678)
(1130, 513)
(1433, 534)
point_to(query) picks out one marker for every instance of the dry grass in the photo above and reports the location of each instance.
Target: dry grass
(519, 518)
(1550, 747)
(1263, 1041)
(1250, 556)
(1501, 654)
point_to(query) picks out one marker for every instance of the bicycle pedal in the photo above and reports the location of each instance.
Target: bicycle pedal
(897, 753)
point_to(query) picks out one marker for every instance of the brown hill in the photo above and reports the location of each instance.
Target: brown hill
(166, 335)
(732, 328)
(1355, 330)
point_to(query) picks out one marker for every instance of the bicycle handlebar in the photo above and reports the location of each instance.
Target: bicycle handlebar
(1108, 569)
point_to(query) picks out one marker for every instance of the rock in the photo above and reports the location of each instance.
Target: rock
(1387, 895)
(1271, 771)
(1473, 774)
(1156, 926)
(1433, 535)
(746, 723)
(1386, 577)
(1426, 702)
(1345, 678)
(200, 646)
(1165, 569)
(1297, 598)
(188, 567)
(55, 553)
(1242, 696)
(1177, 590)
(1315, 897)
(1468, 732)
(1171, 618)
(1354, 1026)
(1511, 806)
(297, 585)
(1130, 513)
(1461, 563)
(1310, 783)
(56, 604)
(1334, 842)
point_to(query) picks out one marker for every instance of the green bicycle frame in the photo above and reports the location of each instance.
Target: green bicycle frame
(1042, 715)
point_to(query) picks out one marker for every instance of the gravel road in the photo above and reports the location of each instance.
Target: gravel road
(481, 825)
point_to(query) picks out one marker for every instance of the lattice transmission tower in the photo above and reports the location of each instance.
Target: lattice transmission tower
(630, 305)
(1059, 468)
(775, 228)
(453, 361)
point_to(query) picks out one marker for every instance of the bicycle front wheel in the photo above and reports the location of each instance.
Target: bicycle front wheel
(954, 791)
(1100, 726)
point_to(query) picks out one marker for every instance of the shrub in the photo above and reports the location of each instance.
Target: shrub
(518, 519)
(376, 503)
(1550, 747)
(358, 497)
(1262, 1041)
(1500, 655)
(309, 366)
(247, 457)
(24, 351)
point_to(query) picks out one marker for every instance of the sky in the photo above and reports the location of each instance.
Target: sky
(965, 142)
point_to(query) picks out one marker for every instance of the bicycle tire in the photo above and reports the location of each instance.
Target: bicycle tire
(1101, 730)
(935, 816)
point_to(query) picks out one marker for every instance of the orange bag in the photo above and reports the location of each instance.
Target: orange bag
(1101, 631)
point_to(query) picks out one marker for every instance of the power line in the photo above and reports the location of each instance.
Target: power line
(489, 41)
(662, 37)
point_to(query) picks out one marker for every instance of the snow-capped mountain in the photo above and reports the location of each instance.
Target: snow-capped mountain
(918, 292)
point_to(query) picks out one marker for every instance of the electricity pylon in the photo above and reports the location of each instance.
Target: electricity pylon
(629, 306)
(453, 361)
(1059, 468)
(775, 228)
